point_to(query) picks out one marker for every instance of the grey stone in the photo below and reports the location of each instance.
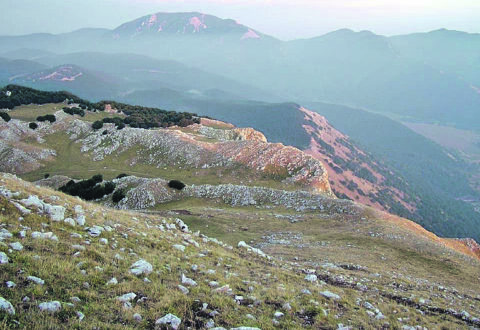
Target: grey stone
(141, 267)
(50, 307)
(330, 295)
(183, 289)
(70, 221)
(34, 201)
(81, 220)
(3, 258)
(311, 278)
(56, 212)
(80, 315)
(188, 281)
(36, 280)
(127, 297)
(6, 306)
(4, 234)
(49, 235)
(179, 247)
(278, 315)
(17, 246)
(170, 320)
(95, 231)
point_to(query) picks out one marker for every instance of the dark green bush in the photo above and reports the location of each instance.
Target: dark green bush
(97, 178)
(90, 189)
(118, 196)
(74, 111)
(123, 175)
(33, 125)
(97, 125)
(175, 184)
(49, 117)
(5, 116)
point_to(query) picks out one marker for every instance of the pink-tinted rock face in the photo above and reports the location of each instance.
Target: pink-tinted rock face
(197, 23)
(335, 150)
(152, 20)
(250, 35)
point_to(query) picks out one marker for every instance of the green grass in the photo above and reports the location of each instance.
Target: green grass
(32, 111)
(99, 115)
(70, 161)
(272, 283)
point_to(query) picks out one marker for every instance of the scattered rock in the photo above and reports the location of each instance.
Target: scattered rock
(311, 278)
(242, 244)
(330, 295)
(81, 220)
(183, 289)
(141, 267)
(5, 234)
(170, 320)
(78, 247)
(56, 212)
(188, 281)
(278, 315)
(3, 258)
(127, 297)
(80, 315)
(36, 280)
(33, 201)
(70, 221)
(75, 300)
(95, 231)
(179, 247)
(17, 246)
(6, 306)
(50, 307)
(49, 235)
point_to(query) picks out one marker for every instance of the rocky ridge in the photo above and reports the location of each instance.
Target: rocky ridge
(196, 147)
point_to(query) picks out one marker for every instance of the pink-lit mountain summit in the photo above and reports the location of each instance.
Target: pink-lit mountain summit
(194, 23)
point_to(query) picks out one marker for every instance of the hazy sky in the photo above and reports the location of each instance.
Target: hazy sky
(285, 19)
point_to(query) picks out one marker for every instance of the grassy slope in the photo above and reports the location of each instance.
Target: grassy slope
(273, 283)
(73, 163)
(32, 111)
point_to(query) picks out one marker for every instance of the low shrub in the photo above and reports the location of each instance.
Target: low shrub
(175, 184)
(51, 118)
(97, 125)
(118, 196)
(90, 189)
(5, 116)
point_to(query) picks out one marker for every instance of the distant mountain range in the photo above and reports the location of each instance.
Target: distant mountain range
(428, 77)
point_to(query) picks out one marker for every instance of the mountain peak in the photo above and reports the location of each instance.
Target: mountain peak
(186, 23)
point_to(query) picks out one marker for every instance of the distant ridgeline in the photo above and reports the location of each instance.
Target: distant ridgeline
(136, 116)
